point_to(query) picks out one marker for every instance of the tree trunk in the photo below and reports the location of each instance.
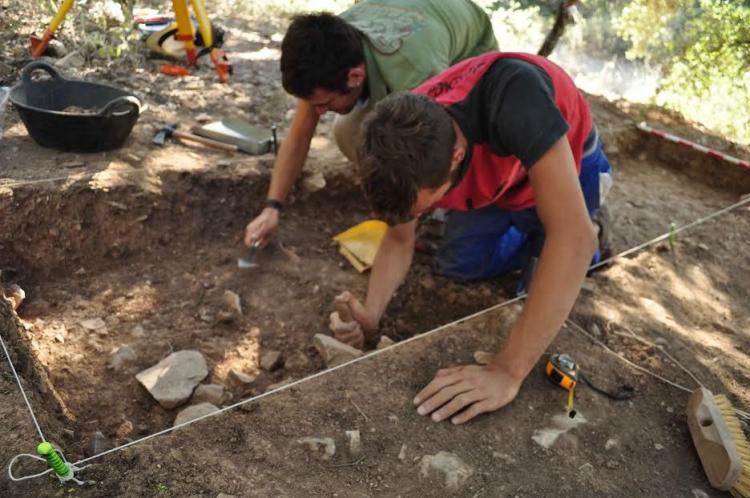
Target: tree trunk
(561, 21)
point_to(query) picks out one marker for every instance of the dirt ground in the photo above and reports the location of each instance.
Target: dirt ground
(146, 238)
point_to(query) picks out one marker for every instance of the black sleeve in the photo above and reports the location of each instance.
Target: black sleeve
(522, 117)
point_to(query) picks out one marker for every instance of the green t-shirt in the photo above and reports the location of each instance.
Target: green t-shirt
(409, 41)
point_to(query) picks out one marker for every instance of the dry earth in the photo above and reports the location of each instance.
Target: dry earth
(146, 238)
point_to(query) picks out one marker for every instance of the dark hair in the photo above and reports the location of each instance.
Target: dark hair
(317, 52)
(407, 145)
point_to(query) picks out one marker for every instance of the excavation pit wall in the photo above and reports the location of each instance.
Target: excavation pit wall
(152, 255)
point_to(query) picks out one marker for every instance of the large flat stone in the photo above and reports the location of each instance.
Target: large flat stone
(172, 380)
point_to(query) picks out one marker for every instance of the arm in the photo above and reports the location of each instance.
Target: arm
(289, 163)
(569, 244)
(389, 269)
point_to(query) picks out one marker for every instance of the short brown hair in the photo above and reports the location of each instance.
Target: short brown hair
(318, 51)
(407, 145)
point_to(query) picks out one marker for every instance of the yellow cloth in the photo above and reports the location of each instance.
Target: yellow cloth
(360, 244)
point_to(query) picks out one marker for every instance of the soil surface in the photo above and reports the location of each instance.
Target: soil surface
(146, 238)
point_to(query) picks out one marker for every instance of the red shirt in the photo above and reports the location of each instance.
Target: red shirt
(512, 107)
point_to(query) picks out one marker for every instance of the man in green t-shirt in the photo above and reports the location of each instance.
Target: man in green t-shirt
(347, 63)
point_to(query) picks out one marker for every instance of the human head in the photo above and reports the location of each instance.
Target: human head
(407, 153)
(322, 61)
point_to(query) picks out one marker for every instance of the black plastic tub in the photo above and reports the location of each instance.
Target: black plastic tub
(73, 115)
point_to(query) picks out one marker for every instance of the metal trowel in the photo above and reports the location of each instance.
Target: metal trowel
(247, 260)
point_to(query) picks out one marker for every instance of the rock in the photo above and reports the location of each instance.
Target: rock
(15, 294)
(280, 384)
(208, 393)
(402, 453)
(120, 356)
(92, 323)
(658, 446)
(586, 468)
(243, 377)
(95, 324)
(611, 443)
(596, 330)
(270, 360)
(313, 183)
(124, 429)
(504, 457)
(203, 118)
(448, 466)
(232, 302)
(138, 331)
(194, 411)
(385, 342)
(334, 352)
(172, 380)
(297, 360)
(73, 61)
(323, 448)
(98, 444)
(699, 493)
(427, 282)
(612, 464)
(483, 357)
(355, 443)
(56, 48)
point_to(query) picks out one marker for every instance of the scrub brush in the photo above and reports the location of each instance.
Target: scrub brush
(723, 449)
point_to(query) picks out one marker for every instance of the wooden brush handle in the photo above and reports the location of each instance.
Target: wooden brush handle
(205, 141)
(713, 440)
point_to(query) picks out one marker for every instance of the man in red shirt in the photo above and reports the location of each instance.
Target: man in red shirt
(505, 142)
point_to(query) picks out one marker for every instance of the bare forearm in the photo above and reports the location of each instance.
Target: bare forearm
(391, 266)
(562, 268)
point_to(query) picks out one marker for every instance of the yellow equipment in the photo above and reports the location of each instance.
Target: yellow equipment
(185, 34)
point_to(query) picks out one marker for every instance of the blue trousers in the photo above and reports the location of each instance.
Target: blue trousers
(489, 242)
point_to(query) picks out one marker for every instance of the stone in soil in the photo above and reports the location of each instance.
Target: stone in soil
(322, 447)
(270, 360)
(355, 443)
(243, 378)
(208, 393)
(172, 380)
(194, 411)
(446, 466)
(120, 357)
(334, 352)
(384, 342)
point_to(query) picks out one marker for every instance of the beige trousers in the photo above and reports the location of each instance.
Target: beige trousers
(346, 130)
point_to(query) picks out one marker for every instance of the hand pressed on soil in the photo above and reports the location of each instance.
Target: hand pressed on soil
(464, 392)
(262, 227)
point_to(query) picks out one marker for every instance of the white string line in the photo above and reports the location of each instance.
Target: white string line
(23, 393)
(18, 479)
(666, 353)
(308, 378)
(676, 230)
(642, 369)
(421, 336)
(416, 337)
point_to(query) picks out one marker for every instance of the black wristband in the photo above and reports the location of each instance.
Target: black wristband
(274, 204)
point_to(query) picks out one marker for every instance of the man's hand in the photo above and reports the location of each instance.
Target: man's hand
(352, 322)
(262, 227)
(347, 332)
(472, 388)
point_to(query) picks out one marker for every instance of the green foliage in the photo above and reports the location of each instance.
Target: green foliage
(100, 28)
(703, 48)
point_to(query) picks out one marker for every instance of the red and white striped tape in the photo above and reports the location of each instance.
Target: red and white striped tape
(678, 140)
